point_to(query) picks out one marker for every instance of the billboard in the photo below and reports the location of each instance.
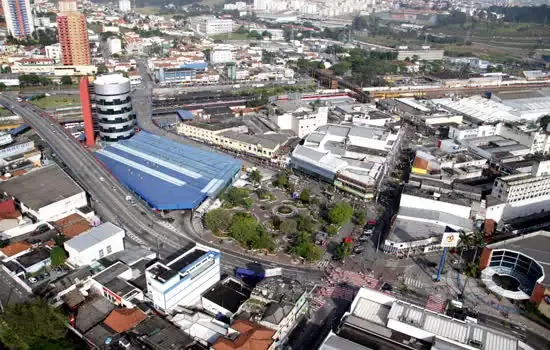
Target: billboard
(450, 239)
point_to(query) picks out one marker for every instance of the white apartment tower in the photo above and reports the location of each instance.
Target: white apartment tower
(124, 5)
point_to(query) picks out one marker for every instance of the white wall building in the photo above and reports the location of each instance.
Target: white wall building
(124, 5)
(299, 117)
(95, 244)
(114, 45)
(221, 56)
(53, 51)
(184, 279)
(210, 25)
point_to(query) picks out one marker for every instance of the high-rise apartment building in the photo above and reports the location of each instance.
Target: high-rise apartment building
(18, 17)
(73, 34)
(124, 5)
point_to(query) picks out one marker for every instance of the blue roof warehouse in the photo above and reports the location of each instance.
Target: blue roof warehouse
(166, 174)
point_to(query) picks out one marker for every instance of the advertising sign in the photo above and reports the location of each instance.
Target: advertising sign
(450, 239)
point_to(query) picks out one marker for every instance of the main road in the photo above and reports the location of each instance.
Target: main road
(109, 196)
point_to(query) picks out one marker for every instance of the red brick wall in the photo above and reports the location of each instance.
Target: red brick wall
(484, 259)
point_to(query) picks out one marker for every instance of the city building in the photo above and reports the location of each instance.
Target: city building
(19, 19)
(350, 157)
(522, 259)
(424, 216)
(210, 25)
(381, 321)
(114, 45)
(225, 298)
(221, 55)
(420, 55)
(73, 34)
(300, 116)
(166, 174)
(46, 193)
(202, 327)
(181, 281)
(114, 114)
(243, 335)
(53, 51)
(97, 243)
(55, 70)
(520, 195)
(124, 5)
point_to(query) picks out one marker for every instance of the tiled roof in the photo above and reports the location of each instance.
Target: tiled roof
(252, 337)
(15, 248)
(122, 320)
(73, 225)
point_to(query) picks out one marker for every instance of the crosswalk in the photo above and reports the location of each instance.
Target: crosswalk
(436, 304)
(411, 282)
(324, 262)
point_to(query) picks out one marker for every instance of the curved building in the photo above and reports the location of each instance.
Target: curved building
(113, 102)
(519, 269)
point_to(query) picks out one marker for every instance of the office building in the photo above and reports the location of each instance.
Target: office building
(73, 37)
(210, 25)
(420, 55)
(53, 51)
(18, 17)
(183, 280)
(114, 113)
(299, 116)
(114, 45)
(124, 5)
(66, 6)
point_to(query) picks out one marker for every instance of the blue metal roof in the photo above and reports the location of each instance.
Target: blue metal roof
(167, 174)
(196, 65)
(184, 114)
(19, 129)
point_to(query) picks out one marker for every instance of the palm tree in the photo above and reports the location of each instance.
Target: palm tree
(478, 241)
(463, 243)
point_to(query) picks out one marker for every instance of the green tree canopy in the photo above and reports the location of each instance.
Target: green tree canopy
(288, 226)
(235, 196)
(217, 220)
(306, 248)
(305, 196)
(360, 217)
(255, 176)
(32, 325)
(305, 223)
(66, 80)
(343, 249)
(245, 229)
(341, 213)
(57, 256)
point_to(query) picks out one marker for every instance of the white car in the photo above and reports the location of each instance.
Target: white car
(32, 279)
(101, 179)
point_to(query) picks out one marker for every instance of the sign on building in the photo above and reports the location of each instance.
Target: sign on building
(450, 239)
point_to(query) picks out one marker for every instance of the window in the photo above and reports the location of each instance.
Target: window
(109, 250)
(101, 254)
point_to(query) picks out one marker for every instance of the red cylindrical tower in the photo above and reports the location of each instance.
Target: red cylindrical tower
(87, 111)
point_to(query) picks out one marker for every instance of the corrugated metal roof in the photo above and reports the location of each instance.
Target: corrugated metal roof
(95, 235)
(167, 174)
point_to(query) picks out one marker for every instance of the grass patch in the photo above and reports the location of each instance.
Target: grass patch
(5, 112)
(230, 36)
(56, 101)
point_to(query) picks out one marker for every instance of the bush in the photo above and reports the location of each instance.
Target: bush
(246, 230)
(332, 230)
(277, 222)
(306, 248)
(288, 226)
(235, 197)
(360, 217)
(305, 223)
(305, 196)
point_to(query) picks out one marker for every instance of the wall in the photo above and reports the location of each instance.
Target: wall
(214, 308)
(63, 206)
(430, 204)
(485, 258)
(92, 253)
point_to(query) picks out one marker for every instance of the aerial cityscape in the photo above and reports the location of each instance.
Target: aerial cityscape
(275, 175)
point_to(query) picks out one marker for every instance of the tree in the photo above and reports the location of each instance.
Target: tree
(332, 230)
(245, 229)
(340, 214)
(360, 217)
(235, 196)
(57, 256)
(217, 220)
(305, 223)
(288, 226)
(305, 196)
(102, 69)
(478, 241)
(2, 86)
(255, 176)
(281, 181)
(32, 325)
(306, 248)
(463, 243)
(66, 80)
(343, 249)
(544, 121)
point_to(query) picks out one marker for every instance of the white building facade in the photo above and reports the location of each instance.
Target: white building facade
(124, 5)
(53, 51)
(303, 121)
(210, 25)
(184, 279)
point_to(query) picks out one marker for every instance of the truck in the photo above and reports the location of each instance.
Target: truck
(254, 274)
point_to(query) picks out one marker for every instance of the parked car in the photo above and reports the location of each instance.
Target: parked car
(358, 249)
(33, 280)
(386, 287)
(42, 228)
(364, 237)
(46, 274)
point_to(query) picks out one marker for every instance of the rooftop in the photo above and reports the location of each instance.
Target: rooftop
(92, 312)
(230, 296)
(168, 174)
(122, 320)
(34, 257)
(112, 272)
(252, 336)
(94, 236)
(41, 187)
(270, 141)
(72, 225)
(110, 79)
(187, 259)
(161, 335)
(15, 248)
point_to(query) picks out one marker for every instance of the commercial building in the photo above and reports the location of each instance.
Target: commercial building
(221, 55)
(350, 157)
(244, 334)
(520, 195)
(181, 282)
(56, 70)
(19, 18)
(166, 174)
(45, 193)
(184, 73)
(97, 243)
(522, 259)
(299, 116)
(210, 25)
(381, 321)
(114, 45)
(420, 55)
(124, 5)
(114, 114)
(424, 216)
(73, 35)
